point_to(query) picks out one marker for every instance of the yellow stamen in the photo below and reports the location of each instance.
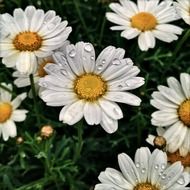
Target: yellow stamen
(145, 186)
(90, 87)
(5, 111)
(184, 112)
(41, 71)
(144, 21)
(27, 41)
(174, 157)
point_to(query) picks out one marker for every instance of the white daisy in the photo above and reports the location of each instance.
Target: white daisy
(9, 112)
(23, 80)
(148, 20)
(31, 34)
(173, 103)
(90, 88)
(148, 172)
(183, 9)
(160, 142)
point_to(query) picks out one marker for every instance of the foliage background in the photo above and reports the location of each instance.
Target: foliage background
(75, 155)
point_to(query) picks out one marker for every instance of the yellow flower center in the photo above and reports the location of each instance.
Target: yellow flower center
(41, 71)
(90, 87)
(159, 142)
(144, 21)
(5, 111)
(145, 186)
(27, 41)
(174, 157)
(184, 112)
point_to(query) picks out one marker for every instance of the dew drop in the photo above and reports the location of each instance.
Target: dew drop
(88, 47)
(156, 166)
(116, 62)
(137, 165)
(92, 57)
(143, 170)
(120, 86)
(163, 166)
(100, 67)
(103, 61)
(181, 181)
(72, 53)
(163, 176)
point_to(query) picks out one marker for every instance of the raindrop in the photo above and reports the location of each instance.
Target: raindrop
(100, 67)
(92, 57)
(103, 61)
(120, 86)
(163, 176)
(88, 47)
(143, 170)
(137, 165)
(156, 166)
(72, 53)
(181, 181)
(116, 62)
(163, 166)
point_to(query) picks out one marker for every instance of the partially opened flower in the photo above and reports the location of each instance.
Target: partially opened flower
(31, 34)
(148, 20)
(9, 112)
(173, 103)
(90, 88)
(147, 172)
(183, 9)
(160, 142)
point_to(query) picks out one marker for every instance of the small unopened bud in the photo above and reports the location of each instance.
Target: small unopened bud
(159, 142)
(19, 140)
(38, 139)
(46, 131)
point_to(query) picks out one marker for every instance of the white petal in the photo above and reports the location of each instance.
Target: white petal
(19, 115)
(72, 113)
(17, 101)
(142, 42)
(130, 33)
(185, 82)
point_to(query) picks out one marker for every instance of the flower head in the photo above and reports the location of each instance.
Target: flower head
(90, 88)
(9, 112)
(173, 103)
(183, 9)
(148, 19)
(30, 34)
(147, 172)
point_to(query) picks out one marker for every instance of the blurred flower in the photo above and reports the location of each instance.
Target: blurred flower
(147, 20)
(90, 88)
(161, 143)
(46, 131)
(183, 9)
(9, 112)
(173, 103)
(149, 172)
(23, 80)
(31, 34)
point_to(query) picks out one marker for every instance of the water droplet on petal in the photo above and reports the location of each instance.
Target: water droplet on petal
(143, 170)
(43, 84)
(72, 53)
(100, 67)
(120, 86)
(163, 176)
(64, 72)
(92, 57)
(88, 47)
(181, 181)
(103, 61)
(116, 62)
(163, 166)
(137, 165)
(156, 166)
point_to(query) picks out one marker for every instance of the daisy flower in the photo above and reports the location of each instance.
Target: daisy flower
(31, 34)
(160, 142)
(148, 19)
(23, 80)
(183, 9)
(173, 103)
(90, 88)
(149, 171)
(9, 112)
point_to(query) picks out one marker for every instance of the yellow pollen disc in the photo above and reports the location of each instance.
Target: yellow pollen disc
(27, 41)
(41, 71)
(184, 112)
(5, 111)
(174, 157)
(159, 142)
(90, 87)
(144, 21)
(145, 186)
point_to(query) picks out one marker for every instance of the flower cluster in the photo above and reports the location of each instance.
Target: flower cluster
(34, 45)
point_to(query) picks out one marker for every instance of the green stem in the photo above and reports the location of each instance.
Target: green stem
(79, 144)
(181, 42)
(34, 98)
(76, 3)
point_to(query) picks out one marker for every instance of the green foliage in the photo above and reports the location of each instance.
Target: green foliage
(73, 156)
